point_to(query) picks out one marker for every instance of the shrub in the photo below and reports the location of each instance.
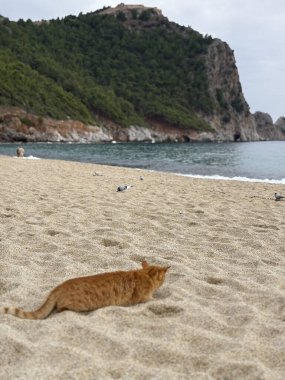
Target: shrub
(27, 122)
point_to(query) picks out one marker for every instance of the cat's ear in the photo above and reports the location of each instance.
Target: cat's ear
(144, 264)
(161, 272)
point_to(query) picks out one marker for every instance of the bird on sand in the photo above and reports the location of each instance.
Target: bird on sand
(278, 196)
(124, 187)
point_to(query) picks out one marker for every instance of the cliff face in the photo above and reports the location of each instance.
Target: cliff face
(266, 130)
(17, 125)
(280, 123)
(232, 119)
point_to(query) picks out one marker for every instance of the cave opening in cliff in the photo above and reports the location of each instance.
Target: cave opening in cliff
(237, 136)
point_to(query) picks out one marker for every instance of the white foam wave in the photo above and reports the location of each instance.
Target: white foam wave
(223, 178)
(28, 158)
(243, 179)
(32, 158)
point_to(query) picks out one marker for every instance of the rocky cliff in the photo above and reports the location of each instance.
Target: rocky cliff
(229, 117)
(232, 119)
(16, 125)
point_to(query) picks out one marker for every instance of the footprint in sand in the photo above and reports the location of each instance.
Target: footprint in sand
(238, 371)
(199, 212)
(270, 262)
(48, 213)
(6, 215)
(53, 232)
(114, 243)
(110, 243)
(192, 224)
(270, 227)
(276, 307)
(164, 310)
(214, 280)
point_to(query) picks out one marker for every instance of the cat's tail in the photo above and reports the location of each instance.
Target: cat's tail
(40, 313)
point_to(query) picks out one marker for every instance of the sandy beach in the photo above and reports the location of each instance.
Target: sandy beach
(219, 315)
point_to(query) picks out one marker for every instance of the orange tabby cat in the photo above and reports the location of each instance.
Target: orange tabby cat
(92, 292)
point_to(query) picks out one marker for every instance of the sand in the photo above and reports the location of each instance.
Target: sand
(220, 313)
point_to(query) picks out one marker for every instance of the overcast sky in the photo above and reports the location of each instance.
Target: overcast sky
(254, 29)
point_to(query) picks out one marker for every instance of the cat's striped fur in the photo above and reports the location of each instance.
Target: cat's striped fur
(122, 288)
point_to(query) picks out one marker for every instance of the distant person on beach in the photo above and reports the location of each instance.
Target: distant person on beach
(20, 151)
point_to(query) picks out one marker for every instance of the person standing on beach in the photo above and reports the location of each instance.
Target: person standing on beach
(20, 151)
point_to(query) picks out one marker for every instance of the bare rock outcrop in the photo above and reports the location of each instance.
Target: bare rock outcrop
(280, 124)
(18, 125)
(264, 125)
(232, 120)
(266, 129)
(128, 10)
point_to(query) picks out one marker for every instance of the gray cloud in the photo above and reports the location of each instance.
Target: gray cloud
(253, 29)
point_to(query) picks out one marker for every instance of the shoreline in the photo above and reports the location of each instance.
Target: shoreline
(198, 176)
(220, 312)
(240, 179)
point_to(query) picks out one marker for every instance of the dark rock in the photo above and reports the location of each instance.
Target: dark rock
(266, 129)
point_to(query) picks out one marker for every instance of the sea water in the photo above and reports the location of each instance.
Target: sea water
(251, 161)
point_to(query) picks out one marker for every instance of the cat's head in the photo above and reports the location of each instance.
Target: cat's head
(156, 273)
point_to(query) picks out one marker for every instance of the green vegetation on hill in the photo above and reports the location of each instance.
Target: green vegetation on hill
(90, 65)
